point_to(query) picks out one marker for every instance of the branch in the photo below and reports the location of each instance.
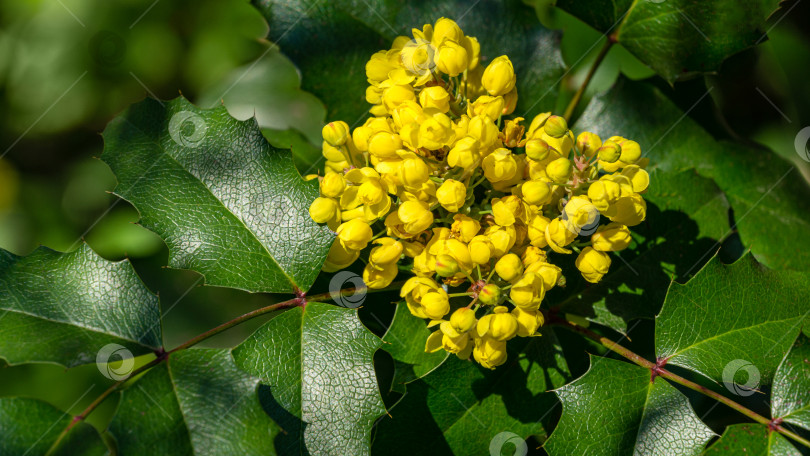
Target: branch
(300, 300)
(657, 370)
(569, 111)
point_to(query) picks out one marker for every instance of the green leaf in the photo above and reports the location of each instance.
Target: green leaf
(227, 204)
(64, 307)
(791, 386)
(461, 408)
(751, 440)
(678, 38)
(686, 214)
(615, 409)
(29, 427)
(332, 41)
(406, 338)
(197, 403)
(727, 313)
(768, 196)
(317, 361)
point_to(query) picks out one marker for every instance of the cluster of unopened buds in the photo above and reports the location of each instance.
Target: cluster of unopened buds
(439, 184)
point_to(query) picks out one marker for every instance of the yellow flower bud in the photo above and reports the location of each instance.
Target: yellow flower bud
(628, 210)
(418, 57)
(407, 113)
(388, 252)
(588, 143)
(537, 231)
(463, 320)
(446, 29)
(464, 153)
(528, 292)
(501, 239)
(473, 48)
(556, 127)
(413, 172)
(436, 304)
(490, 107)
(446, 265)
(384, 144)
(550, 273)
(435, 97)
(464, 228)
(378, 67)
(324, 210)
(536, 192)
(611, 238)
(499, 77)
(360, 137)
(532, 255)
(377, 278)
(489, 352)
(484, 130)
(593, 264)
(537, 125)
(415, 216)
(559, 170)
(509, 210)
(631, 152)
(510, 101)
(490, 294)
(538, 149)
(609, 152)
(335, 154)
(480, 251)
(332, 185)
(499, 325)
(355, 234)
(638, 177)
(436, 131)
(528, 321)
(396, 94)
(558, 235)
(452, 58)
(336, 133)
(603, 193)
(339, 257)
(500, 165)
(509, 267)
(579, 215)
(451, 195)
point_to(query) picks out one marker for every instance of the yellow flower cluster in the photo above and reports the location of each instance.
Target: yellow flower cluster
(440, 184)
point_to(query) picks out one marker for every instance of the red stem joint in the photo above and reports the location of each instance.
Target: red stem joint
(774, 424)
(658, 368)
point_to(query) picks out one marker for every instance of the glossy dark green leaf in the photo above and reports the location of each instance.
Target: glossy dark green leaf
(751, 440)
(332, 41)
(29, 427)
(406, 338)
(197, 403)
(686, 215)
(771, 201)
(65, 307)
(227, 204)
(791, 385)
(462, 408)
(742, 313)
(678, 38)
(615, 409)
(317, 362)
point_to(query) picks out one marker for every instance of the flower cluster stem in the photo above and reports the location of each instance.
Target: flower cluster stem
(658, 371)
(569, 111)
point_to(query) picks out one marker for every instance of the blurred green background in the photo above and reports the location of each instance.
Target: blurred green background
(68, 66)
